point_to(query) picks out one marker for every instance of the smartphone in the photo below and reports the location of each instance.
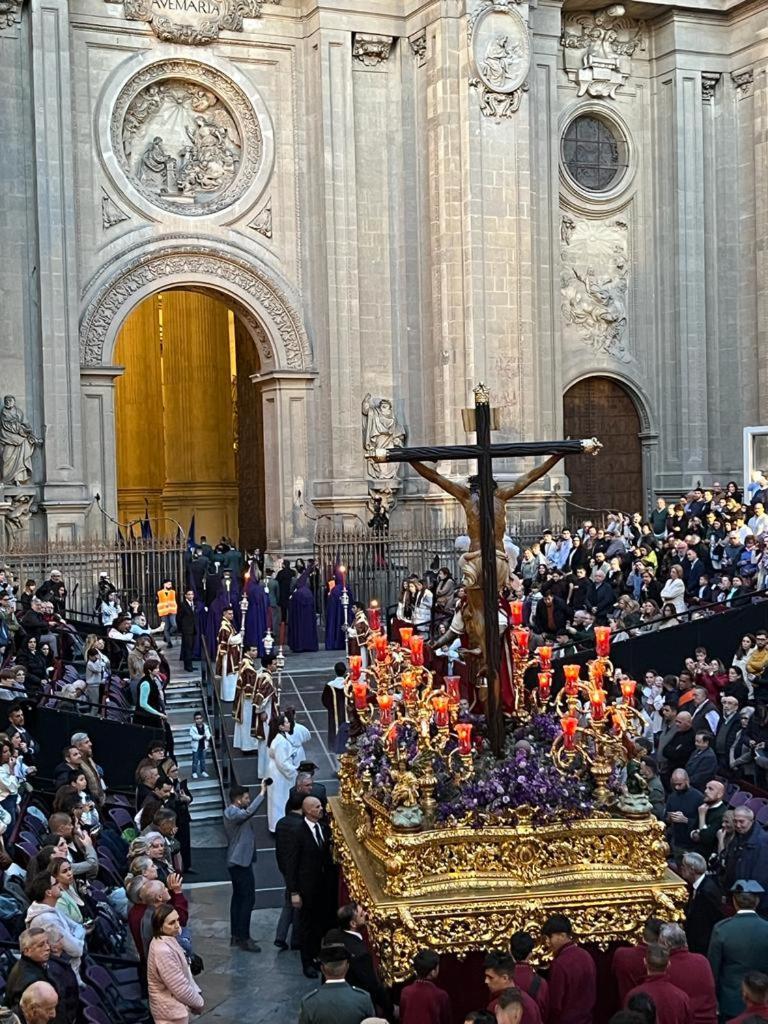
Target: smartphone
(268, 782)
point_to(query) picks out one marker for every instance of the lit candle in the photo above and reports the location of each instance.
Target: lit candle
(464, 736)
(440, 704)
(517, 612)
(374, 616)
(405, 635)
(381, 647)
(544, 654)
(355, 666)
(453, 688)
(628, 687)
(597, 705)
(521, 636)
(569, 724)
(416, 644)
(571, 673)
(360, 691)
(545, 684)
(603, 641)
(385, 708)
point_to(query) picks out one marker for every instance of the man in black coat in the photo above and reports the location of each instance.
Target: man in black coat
(186, 623)
(311, 880)
(601, 598)
(286, 832)
(306, 786)
(551, 616)
(362, 973)
(31, 966)
(682, 744)
(705, 902)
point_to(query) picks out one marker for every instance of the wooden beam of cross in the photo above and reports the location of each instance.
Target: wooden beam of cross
(484, 505)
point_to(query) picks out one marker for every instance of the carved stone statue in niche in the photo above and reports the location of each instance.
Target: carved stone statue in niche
(598, 47)
(594, 285)
(16, 513)
(18, 443)
(180, 142)
(381, 429)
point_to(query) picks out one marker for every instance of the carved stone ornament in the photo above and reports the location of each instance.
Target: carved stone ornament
(262, 222)
(194, 22)
(16, 511)
(597, 49)
(743, 81)
(18, 443)
(10, 13)
(371, 50)
(173, 263)
(709, 80)
(418, 44)
(111, 214)
(186, 137)
(594, 280)
(381, 429)
(500, 48)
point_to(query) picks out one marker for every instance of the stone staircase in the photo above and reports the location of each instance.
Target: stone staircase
(183, 698)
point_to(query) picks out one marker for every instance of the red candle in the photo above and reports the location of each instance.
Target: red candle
(521, 636)
(374, 617)
(381, 647)
(360, 690)
(385, 707)
(603, 641)
(453, 688)
(544, 654)
(355, 666)
(545, 684)
(464, 736)
(569, 724)
(517, 612)
(571, 673)
(628, 687)
(440, 704)
(597, 705)
(416, 644)
(405, 635)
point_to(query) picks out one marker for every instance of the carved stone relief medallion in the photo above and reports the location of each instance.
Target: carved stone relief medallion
(186, 137)
(501, 54)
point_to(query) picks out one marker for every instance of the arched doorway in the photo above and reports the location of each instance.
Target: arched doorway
(189, 435)
(601, 407)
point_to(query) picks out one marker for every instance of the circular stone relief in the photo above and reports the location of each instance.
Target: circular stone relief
(186, 137)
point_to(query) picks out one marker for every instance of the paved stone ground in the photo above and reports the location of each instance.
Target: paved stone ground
(267, 986)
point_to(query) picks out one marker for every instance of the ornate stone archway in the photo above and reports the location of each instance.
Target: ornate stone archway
(271, 316)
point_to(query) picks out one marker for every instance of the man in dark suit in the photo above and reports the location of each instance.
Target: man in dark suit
(362, 973)
(311, 880)
(601, 598)
(335, 1002)
(186, 623)
(285, 833)
(739, 944)
(305, 784)
(705, 902)
(551, 616)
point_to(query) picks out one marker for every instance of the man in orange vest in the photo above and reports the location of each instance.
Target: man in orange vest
(166, 610)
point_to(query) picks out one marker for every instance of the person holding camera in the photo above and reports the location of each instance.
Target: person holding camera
(240, 829)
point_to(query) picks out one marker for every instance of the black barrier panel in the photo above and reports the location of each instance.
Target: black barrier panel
(117, 747)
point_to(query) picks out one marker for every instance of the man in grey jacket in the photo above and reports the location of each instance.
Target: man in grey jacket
(240, 829)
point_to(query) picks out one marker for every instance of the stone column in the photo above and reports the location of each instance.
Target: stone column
(285, 397)
(64, 490)
(760, 87)
(98, 412)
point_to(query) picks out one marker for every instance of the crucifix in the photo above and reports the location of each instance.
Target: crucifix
(485, 569)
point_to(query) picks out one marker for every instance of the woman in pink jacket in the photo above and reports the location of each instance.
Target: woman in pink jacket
(172, 989)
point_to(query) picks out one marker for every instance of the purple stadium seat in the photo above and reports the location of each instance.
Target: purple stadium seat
(738, 799)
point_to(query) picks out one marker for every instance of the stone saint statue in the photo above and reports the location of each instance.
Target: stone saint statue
(18, 443)
(381, 429)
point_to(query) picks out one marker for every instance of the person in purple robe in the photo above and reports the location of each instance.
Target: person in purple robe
(256, 616)
(226, 598)
(302, 626)
(335, 632)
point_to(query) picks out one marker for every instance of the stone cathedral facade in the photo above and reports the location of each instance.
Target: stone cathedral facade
(390, 200)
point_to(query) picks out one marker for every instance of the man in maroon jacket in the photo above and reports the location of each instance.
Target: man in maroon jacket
(572, 976)
(754, 992)
(692, 973)
(525, 977)
(628, 964)
(672, 1004)
(422, 1002)
(500, 978)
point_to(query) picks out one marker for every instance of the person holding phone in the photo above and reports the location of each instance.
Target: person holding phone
(240, 829)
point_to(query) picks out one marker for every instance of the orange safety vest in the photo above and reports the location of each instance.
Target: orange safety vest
(166, 603)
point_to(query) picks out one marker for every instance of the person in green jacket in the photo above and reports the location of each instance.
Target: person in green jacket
(739, 944)
(335, 1002)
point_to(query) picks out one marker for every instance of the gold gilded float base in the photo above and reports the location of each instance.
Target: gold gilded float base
(465, 917)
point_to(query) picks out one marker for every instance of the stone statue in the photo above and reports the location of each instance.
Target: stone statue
(18, 441)
(155, 166)
(601, 311)
(501, 60)
(381, 429)
(16, 515)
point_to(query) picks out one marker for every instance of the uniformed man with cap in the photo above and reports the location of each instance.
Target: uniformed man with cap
(739, 944)
(335, 1002)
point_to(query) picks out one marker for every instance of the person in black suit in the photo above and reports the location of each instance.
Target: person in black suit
(362, 973)
(601, 598)
(311, 880)
(186, 623)
(705, 902)
(305, 785)
(286, 831)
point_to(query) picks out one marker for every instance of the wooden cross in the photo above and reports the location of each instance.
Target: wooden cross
(482, 420)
